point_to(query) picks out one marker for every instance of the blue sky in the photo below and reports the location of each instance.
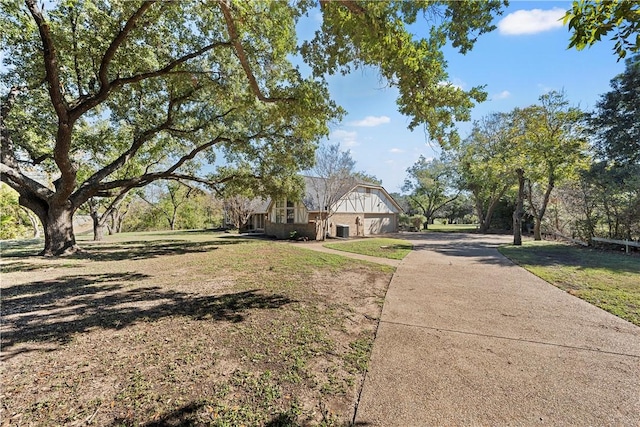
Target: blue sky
(524, 58)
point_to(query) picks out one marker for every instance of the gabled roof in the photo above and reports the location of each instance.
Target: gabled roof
(262, 206)
(315, 192)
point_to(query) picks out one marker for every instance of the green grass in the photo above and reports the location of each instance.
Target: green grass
(608, 280)
(377, 247)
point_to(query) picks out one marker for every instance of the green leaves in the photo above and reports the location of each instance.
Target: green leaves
(122, 93)
(431, 185)
(590, 20)
(376, 34)
(615, 125)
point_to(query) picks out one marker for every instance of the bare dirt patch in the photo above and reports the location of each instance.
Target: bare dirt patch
(200, 331)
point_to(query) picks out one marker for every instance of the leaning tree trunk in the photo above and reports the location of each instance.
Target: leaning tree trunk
(518, 213)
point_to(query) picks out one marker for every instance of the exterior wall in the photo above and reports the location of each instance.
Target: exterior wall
(283, 231)
(367, 200)
(380, 224)
(346, 219)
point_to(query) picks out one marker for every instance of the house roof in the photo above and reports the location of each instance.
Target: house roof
(315, 193)
(262, 206)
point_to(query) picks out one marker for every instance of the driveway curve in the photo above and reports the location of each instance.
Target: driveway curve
(468, 338)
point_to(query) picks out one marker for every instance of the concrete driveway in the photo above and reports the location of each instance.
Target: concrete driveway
(468, 338)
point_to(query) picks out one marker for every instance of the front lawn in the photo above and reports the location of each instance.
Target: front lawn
(378, 247)
(608, 280)
(185, 328)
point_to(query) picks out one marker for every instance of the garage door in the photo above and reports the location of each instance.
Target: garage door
(379, 224)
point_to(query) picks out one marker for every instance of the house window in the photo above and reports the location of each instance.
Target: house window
(368, 191)
(288, 212)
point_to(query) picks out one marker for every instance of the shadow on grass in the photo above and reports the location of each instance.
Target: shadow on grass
(560, 255)
(52, 311)
(398, 247)
(116, 251)
(22, 266)
(195, 414)
(21, 248)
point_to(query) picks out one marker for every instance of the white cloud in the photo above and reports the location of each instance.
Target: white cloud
(396, 151)
(371, 121)
(502, 95)
(531, 21)
(345, 138)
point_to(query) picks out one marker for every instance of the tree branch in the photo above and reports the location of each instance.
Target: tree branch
(50, 62)
(17, 180)
(242, 56)
(88, 187)
(146, 179)
(83, 105)
(8, 155)
(103, 73)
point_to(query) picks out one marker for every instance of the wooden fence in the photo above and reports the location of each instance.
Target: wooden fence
(625, 243)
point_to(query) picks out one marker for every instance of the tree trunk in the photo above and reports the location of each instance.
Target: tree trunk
(98, 230)
(538, 214)
(518, 213)
(482, 226)
(59, 238)
(537, 225)
(98, 221)
(485, 219)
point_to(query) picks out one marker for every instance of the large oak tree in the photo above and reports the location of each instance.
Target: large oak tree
(177, 83)
(431, 185)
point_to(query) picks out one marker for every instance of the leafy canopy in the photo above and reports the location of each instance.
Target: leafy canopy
(590, 20)
(118, 94)
(616, 122)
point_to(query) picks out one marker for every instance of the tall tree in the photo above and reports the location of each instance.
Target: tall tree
(430, 184)
(590, 20)
(554, 147)
(187, 80)
(485, 165)
(615, 124)
(172, 196)
(333, 175)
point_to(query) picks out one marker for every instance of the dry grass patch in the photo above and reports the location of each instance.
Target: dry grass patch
(186, 329)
